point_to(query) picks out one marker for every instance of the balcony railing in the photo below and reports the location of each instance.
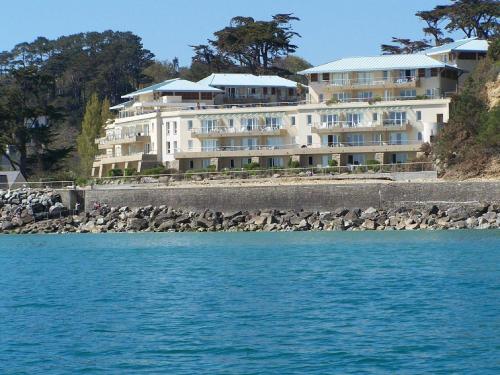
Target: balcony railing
(239, 129)
(354, 125)
(124, 137)
(373, 82)
(343, 143)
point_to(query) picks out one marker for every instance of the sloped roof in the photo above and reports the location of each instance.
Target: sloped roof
(11, 179)
(173, 85)
(462, 45)
(372, 63)
(251, 80)
(122, 105)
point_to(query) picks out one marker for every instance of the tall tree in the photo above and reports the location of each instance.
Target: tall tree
(27, 119)
(91, 129)
(404, 46)
(249, 44)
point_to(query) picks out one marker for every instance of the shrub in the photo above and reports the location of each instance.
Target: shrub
(373, 165)
(152, 171)
(211, 168)
(252, 165)
(332, 163)
(294, 164)
(115, 172)
(129, 171)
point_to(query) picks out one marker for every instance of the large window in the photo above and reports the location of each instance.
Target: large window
(365, 78)
(208, 126)
(354, 119)
(355, 139)
(249, 124)
(398, 138)
(249, 143)
(340, 79)
(408, 93)
(396, 118)
(273, 122)
(365, 95)
(342, 96)
(329, 120)
(209, 144)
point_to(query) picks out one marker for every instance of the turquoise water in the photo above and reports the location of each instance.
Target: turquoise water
(235, 303)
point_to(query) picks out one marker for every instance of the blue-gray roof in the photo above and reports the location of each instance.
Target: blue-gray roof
(462, 45)
(374, 63)
(246, 80)
(173, 85)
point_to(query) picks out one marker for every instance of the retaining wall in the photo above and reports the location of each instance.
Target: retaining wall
(311, 197)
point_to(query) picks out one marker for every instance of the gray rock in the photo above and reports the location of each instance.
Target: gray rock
(136, 224)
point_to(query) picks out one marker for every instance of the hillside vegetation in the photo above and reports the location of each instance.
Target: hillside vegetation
(469, 144)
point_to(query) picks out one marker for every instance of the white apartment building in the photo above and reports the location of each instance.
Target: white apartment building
(357, 109)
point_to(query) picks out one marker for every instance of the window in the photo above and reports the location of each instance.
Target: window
(191, 164)
(190, 144)
(273, 122)
(314, 77)
(190, 124)
(398, 138)
(208, 126)
(365, 95)
(375, 116)
(385, 75)
(209, 145)
(249, 143)
(329, 120)
(396, 118)
(419, 115)
(175, 127)
(356, 159)
(342, 96)
(231, 163)
(231, 123)
(309, 140)
(168, 148)
(167, 124)
(354, 119)
(274, 162)
(249, 123)
(175, 146)
(205, 163)
(340, 79)
(326, 76)
(439, 118)
(309, 120)
(419, 136)
(292, 120)
(355, 139)
(408, 93)
(432, 93)
(399, 158)
(321, 98)
(330, 140)
(290, 92)
(311, 160)
(365, 78)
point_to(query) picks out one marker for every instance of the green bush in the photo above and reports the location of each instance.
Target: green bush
(116, 172)
(294, 164)
(129, 171)
(373, 165)
(211, 168)
(252, 165)
(155, 170)
(332, 163)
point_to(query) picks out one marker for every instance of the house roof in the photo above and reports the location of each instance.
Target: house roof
(173, 85)
(122, 105)
(251, 80)
(462, 45)
(11, 178)
(372, 63)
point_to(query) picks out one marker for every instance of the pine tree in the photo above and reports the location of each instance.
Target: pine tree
(92, 126)
(105, 115)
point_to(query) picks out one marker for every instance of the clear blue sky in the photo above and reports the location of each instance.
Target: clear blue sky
(330, 28)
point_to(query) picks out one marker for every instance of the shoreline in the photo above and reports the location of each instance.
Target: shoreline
(27, 211)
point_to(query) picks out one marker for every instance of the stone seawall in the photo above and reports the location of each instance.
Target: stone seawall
(321, 197)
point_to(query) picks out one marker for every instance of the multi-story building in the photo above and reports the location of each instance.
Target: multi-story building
(379, 108)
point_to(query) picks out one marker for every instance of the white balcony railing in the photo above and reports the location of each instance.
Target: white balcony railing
(372, 81)
(354, 125)
(239, 129)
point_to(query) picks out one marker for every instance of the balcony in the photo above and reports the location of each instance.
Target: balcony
(221, 132)
(383, 83)
(347, 126)
(113, 159)
(106, 142)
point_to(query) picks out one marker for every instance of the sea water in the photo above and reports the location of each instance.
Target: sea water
(251, 303)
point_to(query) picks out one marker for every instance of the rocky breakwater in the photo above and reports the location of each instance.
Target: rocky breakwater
(167, 219)
(27, 207)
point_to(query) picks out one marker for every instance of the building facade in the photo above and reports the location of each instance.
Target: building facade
(356, 110)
